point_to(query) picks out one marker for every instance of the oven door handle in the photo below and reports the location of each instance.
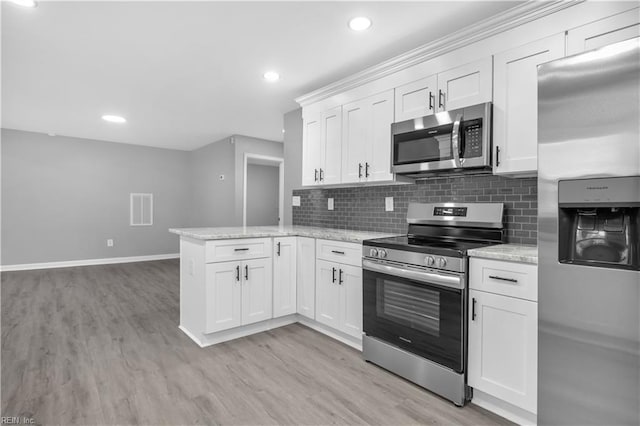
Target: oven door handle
(455, 142)
(450, 281)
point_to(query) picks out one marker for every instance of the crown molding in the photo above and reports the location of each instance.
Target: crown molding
(509, 19)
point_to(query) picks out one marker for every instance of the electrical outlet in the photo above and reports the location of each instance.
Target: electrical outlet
(295, 201)
(388, 204)
(109, 242)
(329, 203)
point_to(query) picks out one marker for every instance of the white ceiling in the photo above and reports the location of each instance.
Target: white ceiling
(186, 74)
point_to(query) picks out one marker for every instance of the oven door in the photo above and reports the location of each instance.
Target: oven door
(420, 311)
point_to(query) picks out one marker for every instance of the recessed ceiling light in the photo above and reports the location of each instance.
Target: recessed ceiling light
(271, 76)
(114, 119)
(25, 3)
(360, 23)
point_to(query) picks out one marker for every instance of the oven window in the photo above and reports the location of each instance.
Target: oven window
(414, 307)
(423, 145)
(427, 320)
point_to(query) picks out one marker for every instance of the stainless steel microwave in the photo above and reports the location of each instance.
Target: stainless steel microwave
(449, 140)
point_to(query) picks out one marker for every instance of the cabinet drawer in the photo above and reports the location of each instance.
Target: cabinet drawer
(507, 278)
(338, 251)
(226, 250)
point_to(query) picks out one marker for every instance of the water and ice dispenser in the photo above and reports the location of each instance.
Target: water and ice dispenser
(599, 222)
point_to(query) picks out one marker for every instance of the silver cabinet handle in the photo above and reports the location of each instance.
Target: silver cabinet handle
(321, 175)
(366, 170)
(333, 275)
(431, 98)
(495, 277)
(315, 178)
(246, 272)
(455, 142)
(340, 279)
(440, 98)
(337, 252)
(360, 170)
(238, 273)
(241, 249)
(278, 248)
(497, 156)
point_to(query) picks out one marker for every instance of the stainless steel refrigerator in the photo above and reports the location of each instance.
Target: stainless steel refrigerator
(588, 232)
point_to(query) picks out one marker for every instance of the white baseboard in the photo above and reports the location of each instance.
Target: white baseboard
(87, 262)
(504, 409)
(335, 334)
(204, 340)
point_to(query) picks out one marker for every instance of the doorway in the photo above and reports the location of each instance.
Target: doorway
(263, 190)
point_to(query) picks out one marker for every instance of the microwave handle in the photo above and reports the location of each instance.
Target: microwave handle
(455, 142)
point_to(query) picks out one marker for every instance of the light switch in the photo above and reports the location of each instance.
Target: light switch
(388, 204)
(330, 203)
(295, 201)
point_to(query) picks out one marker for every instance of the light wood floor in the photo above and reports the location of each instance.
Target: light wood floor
(101, 345)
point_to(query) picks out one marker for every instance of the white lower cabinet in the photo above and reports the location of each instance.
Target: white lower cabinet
(503, 331)
(284, 276)
(306, 276)
(339, 297)
(237, 293)
(503, 348)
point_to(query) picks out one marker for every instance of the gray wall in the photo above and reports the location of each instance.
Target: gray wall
(63, 197)
(212, 202)
(292, 159)
(262, 195)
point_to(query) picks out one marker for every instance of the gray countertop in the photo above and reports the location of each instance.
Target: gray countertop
(234, 232)
(510, 252)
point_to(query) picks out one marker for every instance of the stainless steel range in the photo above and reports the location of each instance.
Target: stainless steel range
(415, 294)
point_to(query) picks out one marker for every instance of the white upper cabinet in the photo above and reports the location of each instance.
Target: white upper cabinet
(466, 85)
(613, 29)
(321, 147)
(458, 87)
(416, 99)
(515, 104)
(366, 139)
(311, 148)
(331, 165)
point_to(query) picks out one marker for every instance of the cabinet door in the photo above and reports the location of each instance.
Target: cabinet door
(356, 119)
(256, 290)
(466, 85)
(613, 29)
(223, 296)
(327, 293)
(284, 276)
(350, 281)
(311, 148)
(332, 146)
(416, 99)
(378, 162)
(306, 276)
(515, 104)
(503, 348)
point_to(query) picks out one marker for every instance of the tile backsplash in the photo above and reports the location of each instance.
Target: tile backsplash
(363, 207)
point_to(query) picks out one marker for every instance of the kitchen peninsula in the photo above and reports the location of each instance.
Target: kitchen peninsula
(237, 281)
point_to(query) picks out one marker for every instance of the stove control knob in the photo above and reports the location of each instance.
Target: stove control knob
(429, 260)
(442, 262)
(373, 252)
(382, 253)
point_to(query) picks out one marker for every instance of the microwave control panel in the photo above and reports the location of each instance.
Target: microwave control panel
(473, 138)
